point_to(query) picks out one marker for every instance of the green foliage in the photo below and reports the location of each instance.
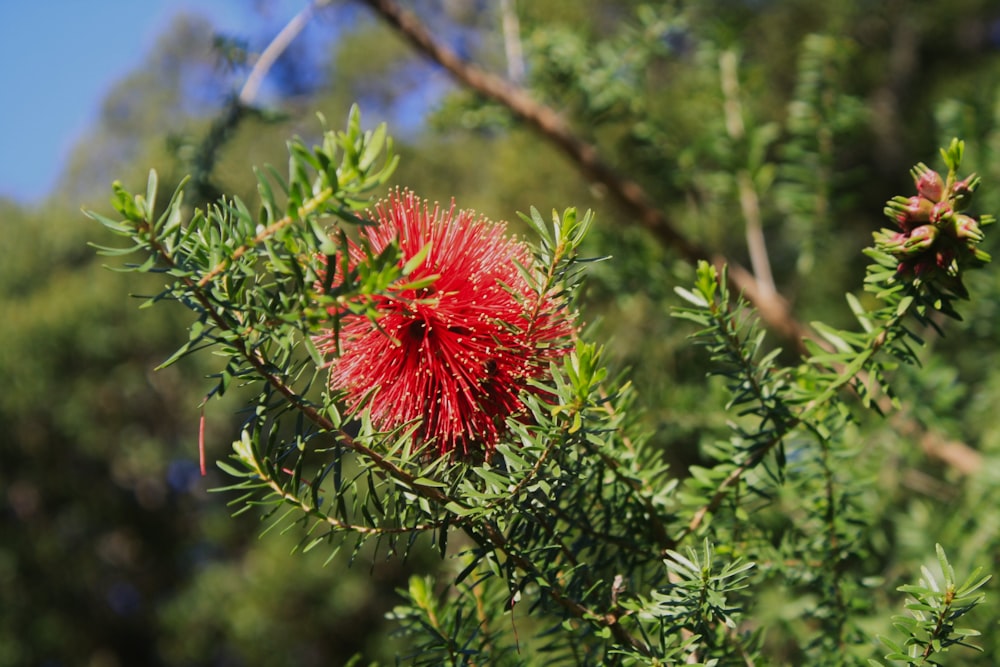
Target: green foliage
(798, 418)
(935, 606)
(570, 514)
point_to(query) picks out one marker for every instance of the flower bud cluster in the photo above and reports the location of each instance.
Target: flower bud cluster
(934, 235)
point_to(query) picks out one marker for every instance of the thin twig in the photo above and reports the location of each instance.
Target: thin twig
(749, 202)
(309, 206)
(278, 45)
(512, 40)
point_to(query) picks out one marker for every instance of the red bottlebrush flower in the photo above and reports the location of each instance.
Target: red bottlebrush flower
(457, 353)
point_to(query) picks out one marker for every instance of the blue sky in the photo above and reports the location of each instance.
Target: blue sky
(58, 58)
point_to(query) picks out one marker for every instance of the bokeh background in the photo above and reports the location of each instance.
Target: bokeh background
(113, 550)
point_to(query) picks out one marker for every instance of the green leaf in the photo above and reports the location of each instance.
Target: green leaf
(833, 336)
(151, 185)
(537, 222)
(418, 258)
(326, 244)
(426, 281)
(123, 228)
(375, 141)
(692, 298)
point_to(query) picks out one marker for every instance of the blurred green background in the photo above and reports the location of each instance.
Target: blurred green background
(112, 550)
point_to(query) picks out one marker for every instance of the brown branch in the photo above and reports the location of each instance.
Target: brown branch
(957, 455)
(512, 40)
(274, 50)
(629, 194)
(773, 309)
(749, 202)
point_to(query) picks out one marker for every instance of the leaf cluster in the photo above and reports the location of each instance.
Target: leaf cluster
(936, 604)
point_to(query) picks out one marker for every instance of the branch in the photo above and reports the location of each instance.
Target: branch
(629, 194)
(240, 107)
(512, 40)
(611, 621)
(749, 202)
(278, 45)
(774, 311)
(307, 207)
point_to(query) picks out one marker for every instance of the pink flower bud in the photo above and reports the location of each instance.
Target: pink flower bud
(920, 239)
(966, 227)
(909, 244)
(909, 212)
(965, 186)
(930, 185)
(961, 191)
(942, 211)
(891, 242)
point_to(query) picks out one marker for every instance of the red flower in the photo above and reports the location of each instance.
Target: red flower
(454, 355)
